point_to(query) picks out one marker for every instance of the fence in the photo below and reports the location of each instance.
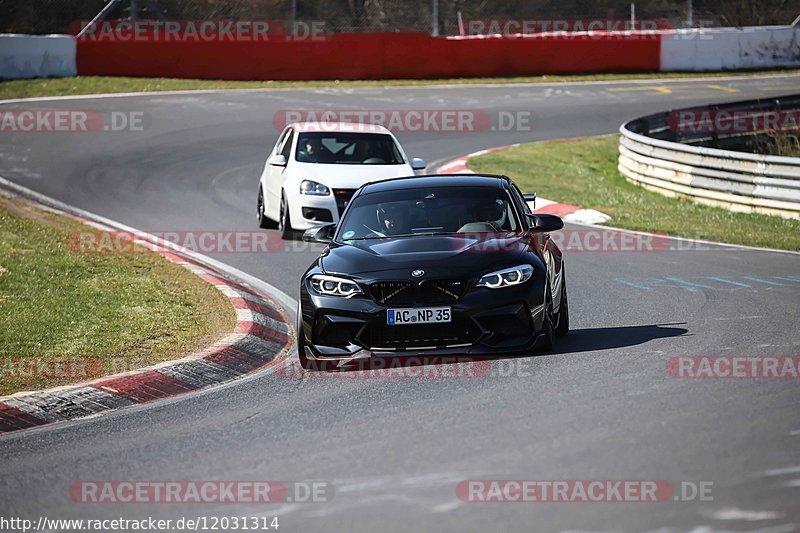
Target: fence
(344, 16)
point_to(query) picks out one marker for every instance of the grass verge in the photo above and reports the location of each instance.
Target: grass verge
(584, 172)
(104, 84)
(67, 316)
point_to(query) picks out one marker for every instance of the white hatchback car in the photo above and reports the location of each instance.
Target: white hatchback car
(315, 168)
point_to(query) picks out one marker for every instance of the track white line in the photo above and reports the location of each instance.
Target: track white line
(643, 81)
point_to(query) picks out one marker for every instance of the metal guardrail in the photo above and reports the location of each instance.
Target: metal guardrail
(653, 155)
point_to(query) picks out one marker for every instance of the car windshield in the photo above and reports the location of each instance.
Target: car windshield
(428, 211)
(348, 149)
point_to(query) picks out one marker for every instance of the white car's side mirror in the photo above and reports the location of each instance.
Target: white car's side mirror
(418, 164)
(277, 160)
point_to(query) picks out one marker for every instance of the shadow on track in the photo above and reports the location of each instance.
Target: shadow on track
(579, 340)
(593, 339)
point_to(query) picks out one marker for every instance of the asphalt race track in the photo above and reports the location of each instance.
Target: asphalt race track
(601, 407)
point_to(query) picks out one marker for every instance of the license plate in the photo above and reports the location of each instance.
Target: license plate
(422, 315)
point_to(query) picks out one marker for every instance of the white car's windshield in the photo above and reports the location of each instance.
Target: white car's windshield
(348, 149)
(428, 211)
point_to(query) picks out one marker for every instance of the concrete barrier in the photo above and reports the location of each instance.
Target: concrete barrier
(715, 49)
(37, 56)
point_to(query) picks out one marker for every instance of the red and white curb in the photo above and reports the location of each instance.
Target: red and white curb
(262, 337)
(570, 213)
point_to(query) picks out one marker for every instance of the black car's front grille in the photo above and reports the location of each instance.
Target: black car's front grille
(394, 292)
(461, 330)
(343, 197)
(441, 291)
(428, 292)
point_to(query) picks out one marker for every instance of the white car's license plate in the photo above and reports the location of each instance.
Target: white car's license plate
(421, 315)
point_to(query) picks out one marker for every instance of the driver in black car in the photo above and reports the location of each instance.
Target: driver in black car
(393, 218)
(492, 211)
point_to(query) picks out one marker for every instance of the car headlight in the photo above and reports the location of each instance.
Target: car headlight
(334, 286)
(313, 188)
(506, 277)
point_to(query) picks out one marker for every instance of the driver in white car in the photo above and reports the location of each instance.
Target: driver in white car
(309, 152)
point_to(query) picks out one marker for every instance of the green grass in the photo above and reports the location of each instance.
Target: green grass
(96, 313)
(584, 172)
(103, 84)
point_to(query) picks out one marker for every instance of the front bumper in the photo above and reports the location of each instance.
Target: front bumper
(485, 322)
(309, 211)
(315, 204)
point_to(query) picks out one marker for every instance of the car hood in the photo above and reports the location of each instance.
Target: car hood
(350, 176)
(439, 256)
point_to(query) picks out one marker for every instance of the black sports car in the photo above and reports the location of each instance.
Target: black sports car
(452, 265)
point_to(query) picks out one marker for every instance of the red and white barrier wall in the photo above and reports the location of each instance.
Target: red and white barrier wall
(37, 56)
(401, 55)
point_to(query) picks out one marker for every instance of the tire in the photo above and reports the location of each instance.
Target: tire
(562, 324)
(548, 338)
(285, 221)
(261, 214)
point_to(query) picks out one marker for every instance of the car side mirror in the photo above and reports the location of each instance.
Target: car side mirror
(322, 234)
(418, 164)
(546, 222)
(277, 160)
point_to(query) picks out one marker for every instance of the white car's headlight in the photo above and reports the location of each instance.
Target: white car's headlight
(334, 286)
(506, 277)
(313, 188)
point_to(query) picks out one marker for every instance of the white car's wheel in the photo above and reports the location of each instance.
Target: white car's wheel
(261, 212)
(285, 221)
